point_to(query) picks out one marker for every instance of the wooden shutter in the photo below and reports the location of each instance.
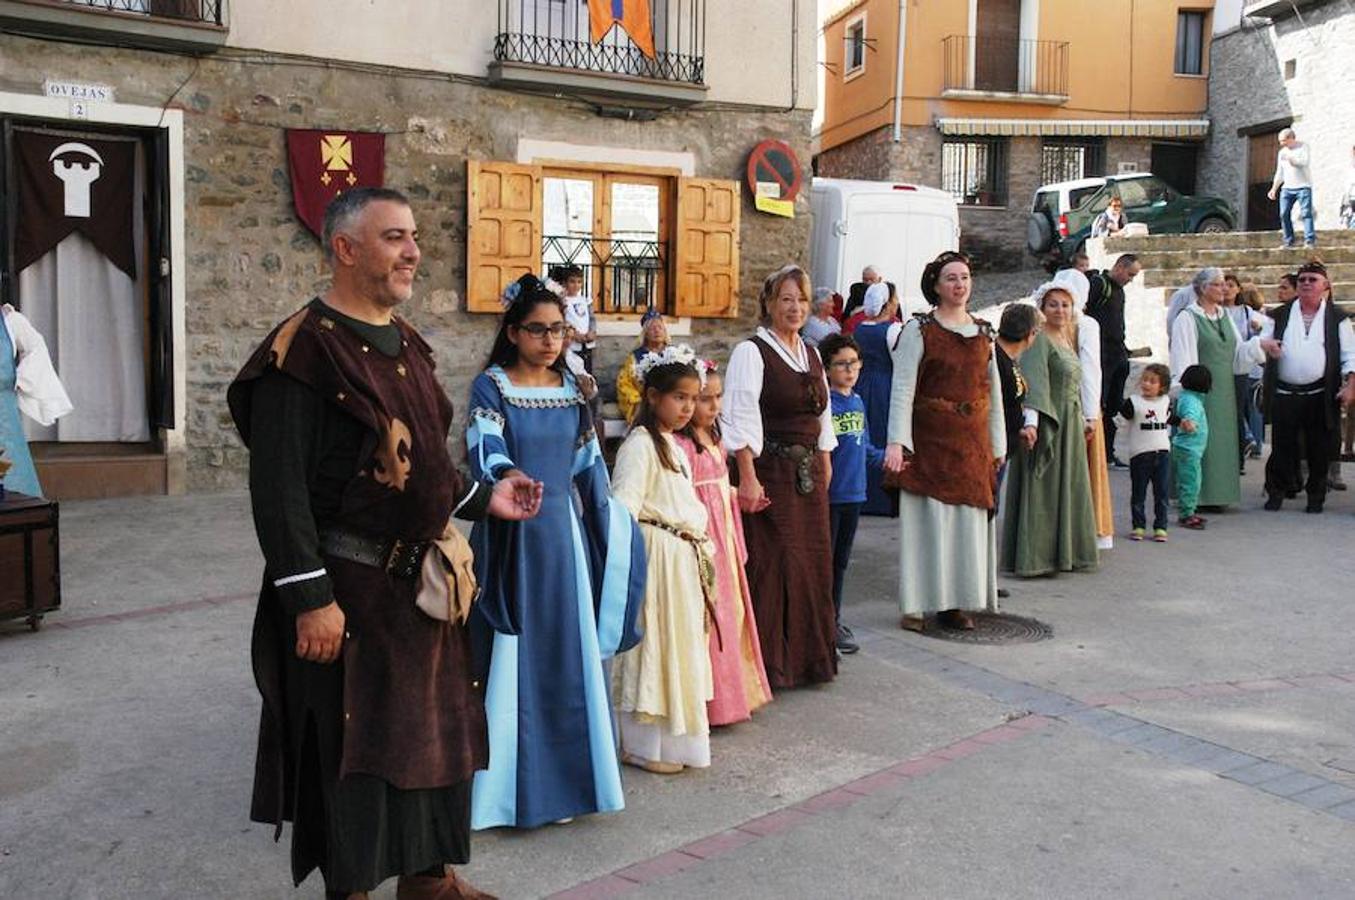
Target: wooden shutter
(706, 251)
(503, 229)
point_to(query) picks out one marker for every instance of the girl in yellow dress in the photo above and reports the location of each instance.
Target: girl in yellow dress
(662, 686)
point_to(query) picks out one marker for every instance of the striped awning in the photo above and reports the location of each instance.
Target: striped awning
(1151, 128)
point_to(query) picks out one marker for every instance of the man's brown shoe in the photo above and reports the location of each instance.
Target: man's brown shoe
(450, 886)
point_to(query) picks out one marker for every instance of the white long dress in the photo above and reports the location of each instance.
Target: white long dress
(662, 686)
(947, 553)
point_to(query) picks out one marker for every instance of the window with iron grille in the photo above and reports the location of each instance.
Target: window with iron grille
(974, 171)
(1190, 35)
(855, 52)
(1068, 159)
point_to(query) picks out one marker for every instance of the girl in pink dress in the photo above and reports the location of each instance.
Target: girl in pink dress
(735, 654)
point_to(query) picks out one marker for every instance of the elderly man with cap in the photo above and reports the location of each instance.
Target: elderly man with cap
(1304, 387)
(653, 339)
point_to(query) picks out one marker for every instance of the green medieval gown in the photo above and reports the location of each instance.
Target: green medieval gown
(1049, 525)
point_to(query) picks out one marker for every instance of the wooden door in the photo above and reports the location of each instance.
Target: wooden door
(997, 46)
(1263, 214)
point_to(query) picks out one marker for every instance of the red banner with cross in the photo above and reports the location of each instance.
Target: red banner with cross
(324, 164)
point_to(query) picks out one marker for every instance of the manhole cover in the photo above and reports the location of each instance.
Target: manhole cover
(993, 628)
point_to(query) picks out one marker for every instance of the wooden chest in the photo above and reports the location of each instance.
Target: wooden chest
(30, 571)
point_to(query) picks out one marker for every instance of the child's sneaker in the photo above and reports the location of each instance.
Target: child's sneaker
(1195, 523)
(1136, 534)
(1160, 535)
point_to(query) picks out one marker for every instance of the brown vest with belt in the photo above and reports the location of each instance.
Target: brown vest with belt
(952, 450)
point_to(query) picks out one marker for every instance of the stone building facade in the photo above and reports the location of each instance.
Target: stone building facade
(247, 262)
(1275, 66)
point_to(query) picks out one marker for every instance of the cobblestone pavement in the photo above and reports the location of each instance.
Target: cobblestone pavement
(1188, 731)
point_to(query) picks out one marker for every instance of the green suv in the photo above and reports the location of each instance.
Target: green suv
(1061, 217)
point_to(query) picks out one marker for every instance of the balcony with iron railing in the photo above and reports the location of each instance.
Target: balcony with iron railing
(624, 275)
(986, 68)
(550, 43)
(196, 25)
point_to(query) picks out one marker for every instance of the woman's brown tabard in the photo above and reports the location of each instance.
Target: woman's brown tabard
(790, 566)
(952, 449)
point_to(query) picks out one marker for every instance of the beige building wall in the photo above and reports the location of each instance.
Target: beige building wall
(1120, 65)
(749, 43)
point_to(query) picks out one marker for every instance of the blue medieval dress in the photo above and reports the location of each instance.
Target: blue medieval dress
(28, 385)
(877, 376)
(561, 593)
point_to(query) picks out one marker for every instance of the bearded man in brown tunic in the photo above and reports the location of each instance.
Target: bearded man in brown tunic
(373, 723)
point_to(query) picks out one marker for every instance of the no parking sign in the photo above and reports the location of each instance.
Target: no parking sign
(774, 177)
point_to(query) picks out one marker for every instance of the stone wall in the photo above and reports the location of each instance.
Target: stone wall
(875, 157)
(250, 262)
(1248, 91)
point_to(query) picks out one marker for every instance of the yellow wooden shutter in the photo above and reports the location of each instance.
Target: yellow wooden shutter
(503, 229)
(706, 251)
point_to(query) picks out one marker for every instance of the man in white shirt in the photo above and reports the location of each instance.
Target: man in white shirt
(1305, 387)
(1293, 173)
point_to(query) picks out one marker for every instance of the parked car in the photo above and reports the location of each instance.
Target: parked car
(1061, 215)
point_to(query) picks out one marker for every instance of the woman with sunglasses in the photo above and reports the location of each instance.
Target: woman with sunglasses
(560, 593)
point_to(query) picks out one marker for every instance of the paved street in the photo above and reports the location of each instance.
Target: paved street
(1189, 731)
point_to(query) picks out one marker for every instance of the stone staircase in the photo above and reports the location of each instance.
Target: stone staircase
(1171, 260)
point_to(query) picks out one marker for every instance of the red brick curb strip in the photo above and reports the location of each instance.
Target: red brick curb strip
(699, 851)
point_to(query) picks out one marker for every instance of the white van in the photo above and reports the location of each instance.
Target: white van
(898, 228)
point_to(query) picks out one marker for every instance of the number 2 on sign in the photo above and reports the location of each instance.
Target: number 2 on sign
(79, 109)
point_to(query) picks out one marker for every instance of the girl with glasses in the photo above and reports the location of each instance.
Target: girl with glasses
(561, 592)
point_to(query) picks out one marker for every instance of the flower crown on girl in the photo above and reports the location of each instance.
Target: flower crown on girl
(514, 292)
(673, 355)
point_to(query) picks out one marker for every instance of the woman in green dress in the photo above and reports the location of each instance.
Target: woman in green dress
(1204, 333)
(1049, 525)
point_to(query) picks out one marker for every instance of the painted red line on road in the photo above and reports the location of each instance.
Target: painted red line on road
(146, 611)
(698, 852)
(1265, 684)
(1108, 699)
(1166, 693)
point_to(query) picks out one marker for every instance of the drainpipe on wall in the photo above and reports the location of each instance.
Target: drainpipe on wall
(898, 72)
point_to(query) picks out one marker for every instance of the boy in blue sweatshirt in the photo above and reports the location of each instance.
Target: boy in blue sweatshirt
(847, 491)
(1188, 442)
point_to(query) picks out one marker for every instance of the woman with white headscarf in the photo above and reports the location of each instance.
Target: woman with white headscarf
(1049, 525)
(876, 336)
(1087, 339)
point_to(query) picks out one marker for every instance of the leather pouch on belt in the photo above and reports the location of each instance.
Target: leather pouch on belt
(447, 585)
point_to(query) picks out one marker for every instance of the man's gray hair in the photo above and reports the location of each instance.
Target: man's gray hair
(821, 296)
(344, 209)
(1204, 276)
(1288, 133)
(869, 271)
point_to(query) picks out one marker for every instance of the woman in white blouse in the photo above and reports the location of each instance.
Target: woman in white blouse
(1204, 333)
(778, 424)
(28, 384)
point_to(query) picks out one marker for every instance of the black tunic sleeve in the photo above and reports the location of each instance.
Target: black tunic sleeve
(285, 425)
(1127, 408)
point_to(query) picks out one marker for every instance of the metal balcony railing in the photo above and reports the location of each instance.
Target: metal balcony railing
(1005, 65)
(557, 33)
(205, 11)
(626, 273)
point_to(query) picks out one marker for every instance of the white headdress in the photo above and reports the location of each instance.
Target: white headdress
(1076, 284)
(672, 355)
(877, 296)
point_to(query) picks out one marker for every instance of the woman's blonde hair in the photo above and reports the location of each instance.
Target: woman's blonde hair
(772, 286)
(1251, 296)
